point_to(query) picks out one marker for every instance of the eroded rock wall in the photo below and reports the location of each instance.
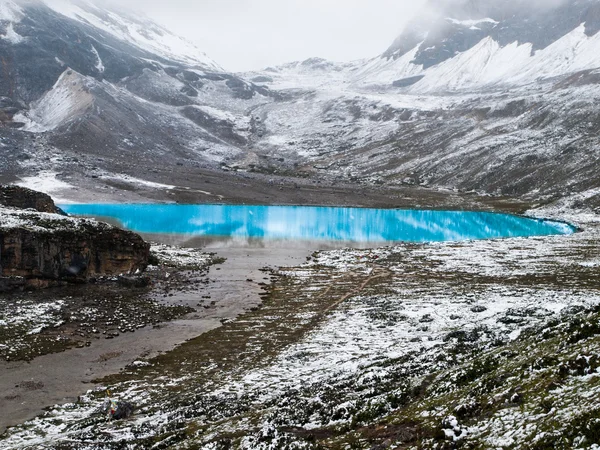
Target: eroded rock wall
(44, 259)
(42, 249)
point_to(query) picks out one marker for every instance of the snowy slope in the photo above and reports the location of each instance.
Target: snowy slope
(98, 78)
(10, 11)
(68, 99)
(136, 29)
(485, 103)
(489, 63)
(486, 64)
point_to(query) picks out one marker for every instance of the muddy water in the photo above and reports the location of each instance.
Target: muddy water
(233, 287)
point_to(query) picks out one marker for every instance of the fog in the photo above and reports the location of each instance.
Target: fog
(252, 34)
(242, 35)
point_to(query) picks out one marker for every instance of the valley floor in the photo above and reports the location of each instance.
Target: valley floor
(483, 344)
(190, 185)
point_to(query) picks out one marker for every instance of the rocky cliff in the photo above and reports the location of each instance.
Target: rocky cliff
(23, 198)
(40, 250)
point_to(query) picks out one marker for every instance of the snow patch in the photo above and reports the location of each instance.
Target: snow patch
(471, 23)
(138, 181)
(383, 71)
(67, 100)
(12, 36)
(10, 11)
(99, 64)
(46, 182)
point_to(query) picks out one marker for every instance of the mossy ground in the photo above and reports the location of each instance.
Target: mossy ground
(473, 345)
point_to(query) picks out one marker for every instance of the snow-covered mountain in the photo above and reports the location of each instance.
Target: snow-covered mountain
(129, 26)
(88, 81)
(475, 44)
(482, 95)
(482, 43)
(498, 97)
(50, 35)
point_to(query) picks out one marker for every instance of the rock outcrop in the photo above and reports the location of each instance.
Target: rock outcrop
(23, 198)
(39, 250)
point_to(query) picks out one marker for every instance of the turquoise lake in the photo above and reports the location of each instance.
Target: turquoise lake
(318, 223)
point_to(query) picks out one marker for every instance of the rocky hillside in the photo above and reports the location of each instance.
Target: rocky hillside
(23, 198)
(494, 97)
(100, 86)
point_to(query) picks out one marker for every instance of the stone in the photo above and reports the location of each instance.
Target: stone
(118, 410)
(134, 281)
(23, 198)
(47, 257)
(9, 284)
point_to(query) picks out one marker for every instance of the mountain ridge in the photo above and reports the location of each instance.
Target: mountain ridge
(103, 101)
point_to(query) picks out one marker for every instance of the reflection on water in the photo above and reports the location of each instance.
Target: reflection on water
(250, 223)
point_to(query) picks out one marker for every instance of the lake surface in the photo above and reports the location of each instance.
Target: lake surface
(317, 223)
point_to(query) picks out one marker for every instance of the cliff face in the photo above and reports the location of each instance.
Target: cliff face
(44, 259)
(40, 250)
(23, 198)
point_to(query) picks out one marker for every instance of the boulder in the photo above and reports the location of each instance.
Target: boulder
(9, 284)
(23, 198)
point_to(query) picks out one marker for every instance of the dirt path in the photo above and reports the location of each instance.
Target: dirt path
(377, 273)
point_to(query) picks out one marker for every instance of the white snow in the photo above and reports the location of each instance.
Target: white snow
(32, 317)
(15, 218)
(12, 36)
(137, 181)
(574, 52)
(180, 257)
(10, 11)
(99, 64)
(68, 99)
(486, 64)
(471, 23)
(48, 183)
(138, 31)
(221, 114)
(384, 71)
(483, 64)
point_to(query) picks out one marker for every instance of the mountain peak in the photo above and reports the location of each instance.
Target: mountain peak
(132, 27)
(449, 27)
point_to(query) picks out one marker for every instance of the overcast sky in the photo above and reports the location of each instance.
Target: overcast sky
(253, 34)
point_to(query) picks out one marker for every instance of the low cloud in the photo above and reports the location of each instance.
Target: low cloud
(488, 7)
(252, 34)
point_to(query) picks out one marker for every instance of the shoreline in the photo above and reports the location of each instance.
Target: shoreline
(31, 386)
(228, 188)
(61, 377)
